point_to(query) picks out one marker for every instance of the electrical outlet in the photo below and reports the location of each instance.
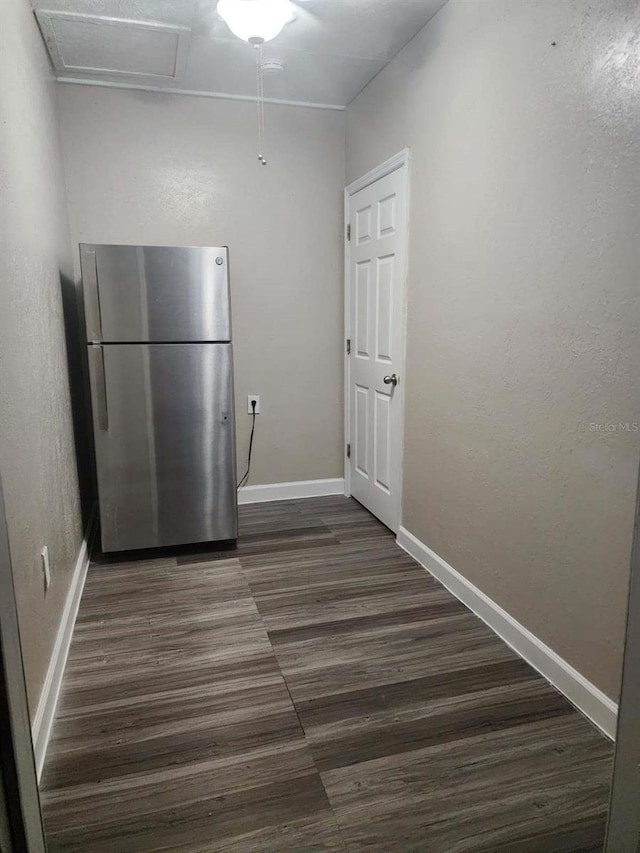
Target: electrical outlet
(46, 568)
(250, 398)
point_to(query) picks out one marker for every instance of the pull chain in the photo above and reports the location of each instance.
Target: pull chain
(260, 103)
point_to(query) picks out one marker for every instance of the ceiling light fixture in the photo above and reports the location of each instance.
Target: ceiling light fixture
(256, 21)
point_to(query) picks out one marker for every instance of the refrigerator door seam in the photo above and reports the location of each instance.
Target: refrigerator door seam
(152, 343)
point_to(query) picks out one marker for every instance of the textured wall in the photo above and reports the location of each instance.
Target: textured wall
(36, 438)
(523, 303)
(164, 169)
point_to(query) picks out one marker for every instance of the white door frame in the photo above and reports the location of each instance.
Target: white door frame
(624, 821)
(399, 161)
(21, 806)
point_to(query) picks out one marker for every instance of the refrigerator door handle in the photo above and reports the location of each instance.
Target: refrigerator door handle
(99, 383)
(89, 264)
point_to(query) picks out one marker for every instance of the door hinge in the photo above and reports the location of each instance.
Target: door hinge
(348, 451)
(348, 346)
(349, 232)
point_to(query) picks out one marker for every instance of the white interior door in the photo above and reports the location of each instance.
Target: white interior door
(375, 266)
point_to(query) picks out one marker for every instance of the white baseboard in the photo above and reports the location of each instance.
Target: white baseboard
(591, 701)
(290, 491)
(46, 710)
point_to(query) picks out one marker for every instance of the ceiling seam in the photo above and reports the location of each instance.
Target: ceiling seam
(398, 52)
(194, 93)
(290, 49)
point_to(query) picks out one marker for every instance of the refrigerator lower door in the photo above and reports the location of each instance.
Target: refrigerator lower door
(165, 443)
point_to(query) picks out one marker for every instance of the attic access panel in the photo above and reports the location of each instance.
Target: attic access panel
(92, 44)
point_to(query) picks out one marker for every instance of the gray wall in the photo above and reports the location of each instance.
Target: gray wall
(152, 168)
(36, 436)
(523, 303)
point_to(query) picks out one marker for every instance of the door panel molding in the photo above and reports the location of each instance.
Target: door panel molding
(368, 224)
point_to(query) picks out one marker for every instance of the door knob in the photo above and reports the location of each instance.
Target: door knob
(391, 380)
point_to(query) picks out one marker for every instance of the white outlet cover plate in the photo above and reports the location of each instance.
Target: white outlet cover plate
(251, 397)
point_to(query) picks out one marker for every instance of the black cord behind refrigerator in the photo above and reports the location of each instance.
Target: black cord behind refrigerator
(245, 478)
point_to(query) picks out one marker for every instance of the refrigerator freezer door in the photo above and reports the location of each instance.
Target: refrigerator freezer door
(145, 294)
(165, 444)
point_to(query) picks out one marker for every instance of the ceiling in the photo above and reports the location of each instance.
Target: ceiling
(329, 52)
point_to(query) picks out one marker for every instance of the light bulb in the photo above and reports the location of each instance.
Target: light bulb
(256, 21)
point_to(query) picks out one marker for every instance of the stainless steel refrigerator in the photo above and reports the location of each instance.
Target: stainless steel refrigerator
(158, 327)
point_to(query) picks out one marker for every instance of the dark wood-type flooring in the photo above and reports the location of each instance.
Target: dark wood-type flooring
(312, 690)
